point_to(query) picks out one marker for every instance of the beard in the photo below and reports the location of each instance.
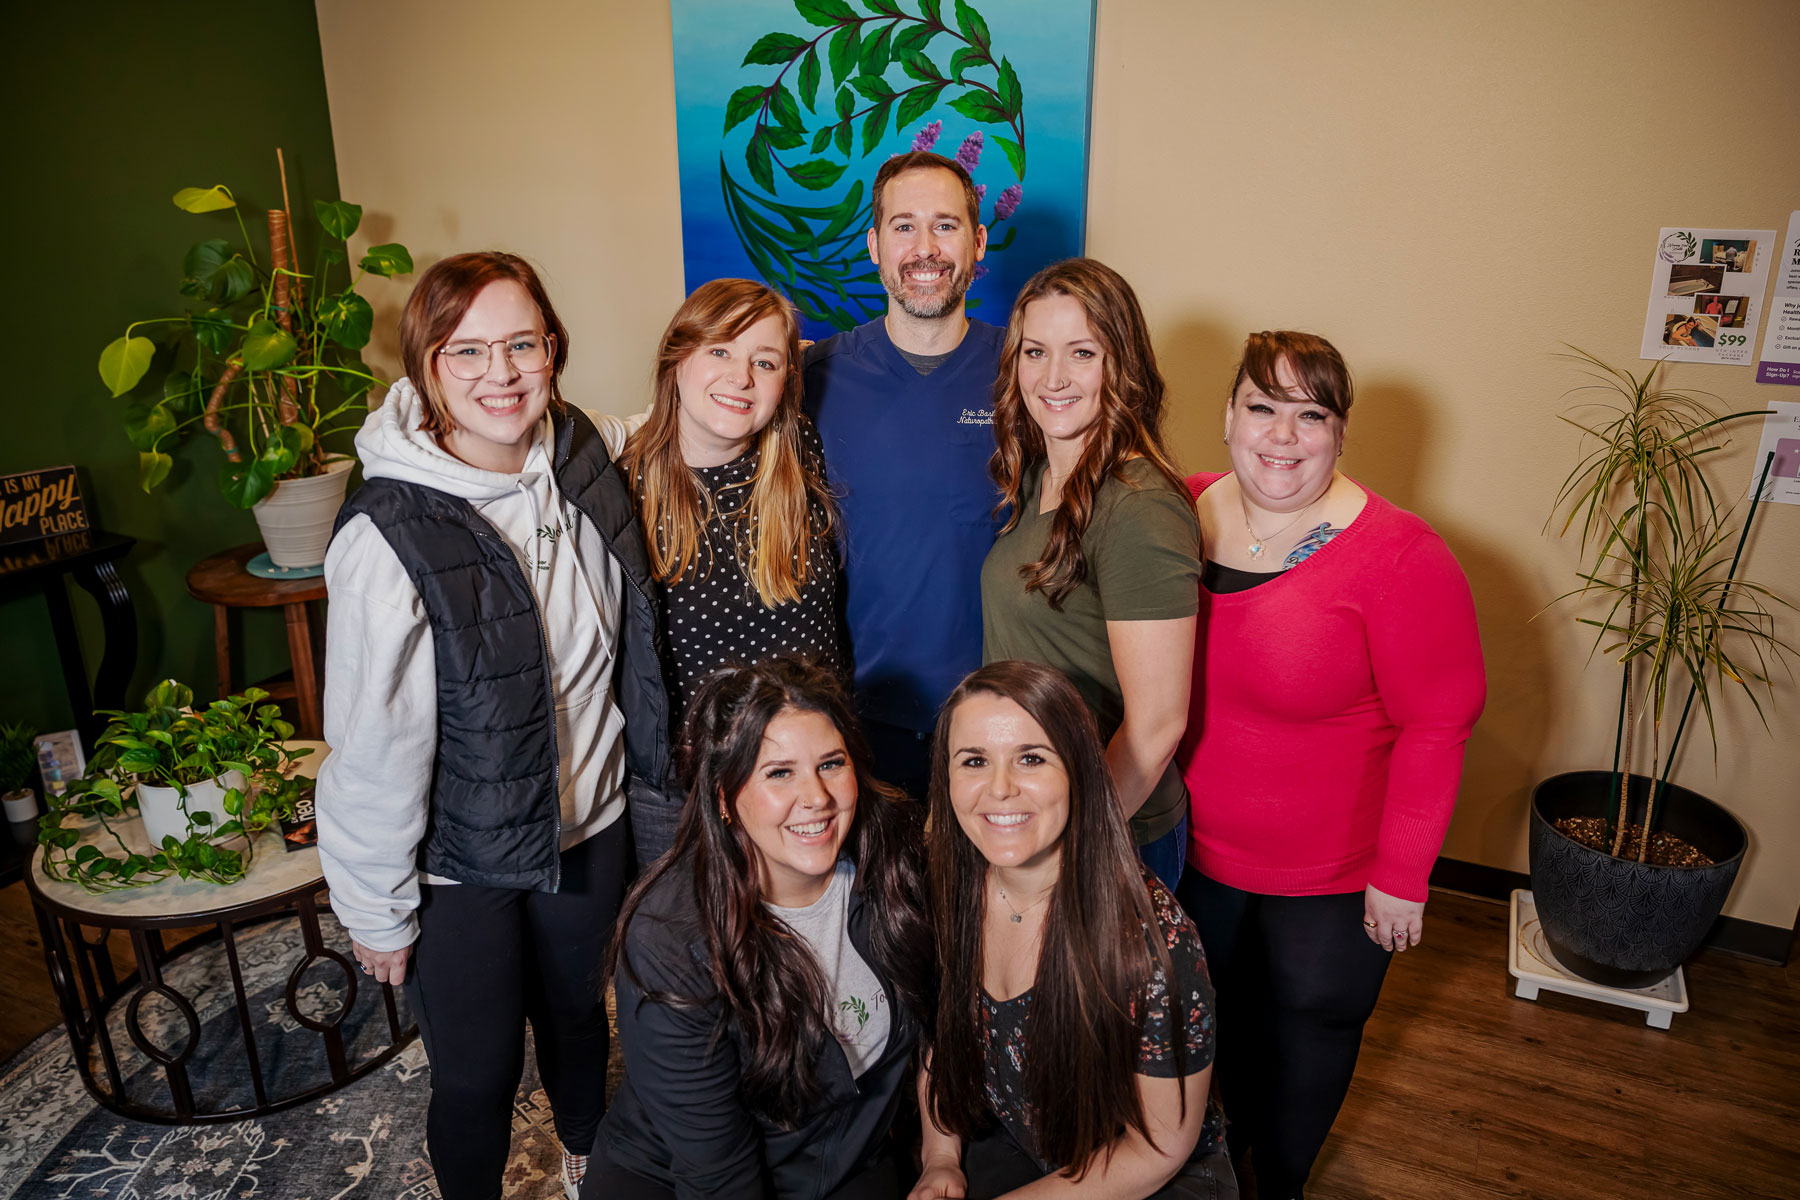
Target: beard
(930, 305)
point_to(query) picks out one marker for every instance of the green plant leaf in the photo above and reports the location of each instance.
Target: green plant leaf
(387, 259)
(199, 200)
(782, 138)
(822, 138)
(1012, 231)
(773, 50)
(212, 270)
(243, 484)
(824, 12)
(756, 157)
(846, 102)
(872, 86)
(267, 345)
(843, 137)
(918, 102)
(979, 106)
(817, 174)
(148, 425)
(200, 817)
(971, 24)
(809, 79)
(844, 52)
(933, 10)
(235, 280)
(87, 854)
(184, 393)
(743, 102)
(886, 8)
(875, 53)
(213, 329)
(347, 319)
(124, 362)
(1010, 95)
(169, 693)
(283, 448)
(920, 67)
(785, 111)
(1015, 154)
(874, 125)
(339, 218)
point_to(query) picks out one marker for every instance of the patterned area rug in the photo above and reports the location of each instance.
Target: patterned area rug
(364, 1142)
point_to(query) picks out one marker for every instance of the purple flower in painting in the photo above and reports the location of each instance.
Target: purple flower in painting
(980, 193)
(980, 271)
(1008, 203)
(968, 155)
(927, 137)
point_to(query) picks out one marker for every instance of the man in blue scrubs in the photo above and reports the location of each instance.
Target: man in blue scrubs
(904, 405)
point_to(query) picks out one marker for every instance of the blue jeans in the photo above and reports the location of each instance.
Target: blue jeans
(1167, 855)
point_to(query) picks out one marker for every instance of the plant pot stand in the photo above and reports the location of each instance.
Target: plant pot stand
(224, 582)
(1535, 969)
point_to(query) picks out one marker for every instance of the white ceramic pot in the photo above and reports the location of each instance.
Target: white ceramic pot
(161, 806)
(20, 805)
(296, 517)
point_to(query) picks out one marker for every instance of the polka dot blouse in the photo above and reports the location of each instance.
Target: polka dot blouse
(712, 614)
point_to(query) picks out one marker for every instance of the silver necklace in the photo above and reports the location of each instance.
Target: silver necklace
(1259, 544)
(1017, 916)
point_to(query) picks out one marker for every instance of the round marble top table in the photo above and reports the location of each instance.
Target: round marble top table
(77, 926)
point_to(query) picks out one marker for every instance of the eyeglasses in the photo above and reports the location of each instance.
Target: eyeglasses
(468, 360)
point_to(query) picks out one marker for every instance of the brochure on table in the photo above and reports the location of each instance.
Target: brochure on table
(1706, 288)
(1781, 344)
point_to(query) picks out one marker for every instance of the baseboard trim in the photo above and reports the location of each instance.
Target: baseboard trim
(1747, 939)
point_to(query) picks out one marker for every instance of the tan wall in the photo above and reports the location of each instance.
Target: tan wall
(1447, 191)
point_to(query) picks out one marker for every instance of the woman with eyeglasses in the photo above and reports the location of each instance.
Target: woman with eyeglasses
(729, 479)
(495, 709)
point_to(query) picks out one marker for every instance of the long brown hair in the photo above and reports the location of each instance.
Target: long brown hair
(1129, 424)
(768, 980)
(788, 499)
(437, 306)
(1099, 944)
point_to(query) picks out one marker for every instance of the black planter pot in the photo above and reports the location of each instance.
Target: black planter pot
(1619, 923)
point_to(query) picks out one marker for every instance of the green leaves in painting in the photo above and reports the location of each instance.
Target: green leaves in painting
(773, 49)
(824, 12)
(1015, 154)
(818, 174)
(972, 26)
(845, 52)
(743, 102)
(809, 79)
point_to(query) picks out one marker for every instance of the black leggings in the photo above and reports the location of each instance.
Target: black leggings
(489, 959)
(878, 1179)
(994, 1164)
(1296, 979)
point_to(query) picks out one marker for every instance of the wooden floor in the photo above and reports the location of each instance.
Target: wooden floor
(1463, 1090)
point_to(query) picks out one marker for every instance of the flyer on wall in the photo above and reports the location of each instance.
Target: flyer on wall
(1780, 437)
(1781, 344)
(1706, 287)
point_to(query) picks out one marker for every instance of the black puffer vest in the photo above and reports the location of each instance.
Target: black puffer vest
(494, 818)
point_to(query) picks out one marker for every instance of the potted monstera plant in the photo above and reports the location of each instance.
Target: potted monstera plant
(204, 782)
(1628, 870)
(267, 360)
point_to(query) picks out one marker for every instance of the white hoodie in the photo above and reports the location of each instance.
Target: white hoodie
(381, 672)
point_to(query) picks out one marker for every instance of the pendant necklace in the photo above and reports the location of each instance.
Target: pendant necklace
(1259, 544)
(1018, 917)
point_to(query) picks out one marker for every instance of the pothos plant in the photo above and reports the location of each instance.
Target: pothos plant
(815, 252)
(267, 358)
(168, 743)
(1660, 561)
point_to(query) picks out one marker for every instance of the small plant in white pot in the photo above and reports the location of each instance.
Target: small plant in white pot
(17, 761)
(267, 359)
(204, 781)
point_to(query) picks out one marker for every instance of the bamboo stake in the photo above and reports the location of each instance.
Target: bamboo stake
(213, 422)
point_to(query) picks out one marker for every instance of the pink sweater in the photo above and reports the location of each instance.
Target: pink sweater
(1330, 707)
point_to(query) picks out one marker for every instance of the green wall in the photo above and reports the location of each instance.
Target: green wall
(111, 107)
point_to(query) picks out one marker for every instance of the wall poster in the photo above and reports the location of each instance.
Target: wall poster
(1706, 288)
(1781, 345)
(785, 109)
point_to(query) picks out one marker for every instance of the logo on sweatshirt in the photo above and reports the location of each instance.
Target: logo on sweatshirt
(976, 416)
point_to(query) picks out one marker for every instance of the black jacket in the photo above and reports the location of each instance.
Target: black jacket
(494, 817)
(679, 1119)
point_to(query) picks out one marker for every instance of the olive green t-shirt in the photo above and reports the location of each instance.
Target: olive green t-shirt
(1143, 564)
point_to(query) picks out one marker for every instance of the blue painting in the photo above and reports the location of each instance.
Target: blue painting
(786, 109)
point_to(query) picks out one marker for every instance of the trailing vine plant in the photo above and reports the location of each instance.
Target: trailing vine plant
(170, 744)
(815, 253)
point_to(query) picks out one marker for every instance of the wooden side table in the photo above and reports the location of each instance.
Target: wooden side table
(222, 582)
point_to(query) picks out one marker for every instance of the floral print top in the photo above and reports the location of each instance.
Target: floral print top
(1183, 1011)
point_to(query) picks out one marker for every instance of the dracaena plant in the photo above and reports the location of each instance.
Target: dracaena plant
(1660, 567)
(169, 743)
(267, 357)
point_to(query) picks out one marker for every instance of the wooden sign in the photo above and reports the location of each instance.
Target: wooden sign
(40, 504)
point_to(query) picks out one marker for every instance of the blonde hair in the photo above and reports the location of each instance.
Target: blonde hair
(788, 500)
